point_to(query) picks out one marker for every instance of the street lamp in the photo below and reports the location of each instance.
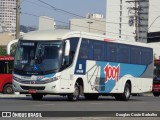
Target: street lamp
(153, 22)
(89, 22)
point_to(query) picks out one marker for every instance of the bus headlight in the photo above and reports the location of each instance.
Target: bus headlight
(52, 79)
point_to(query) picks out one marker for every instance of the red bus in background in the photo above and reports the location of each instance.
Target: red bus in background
(156, 78)
(6, 66)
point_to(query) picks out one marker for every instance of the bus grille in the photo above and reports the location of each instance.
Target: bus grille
(32, 87)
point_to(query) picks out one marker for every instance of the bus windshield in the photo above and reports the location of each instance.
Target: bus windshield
(40, 57)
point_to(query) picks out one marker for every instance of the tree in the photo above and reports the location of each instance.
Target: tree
(3, 51)
(13, 49)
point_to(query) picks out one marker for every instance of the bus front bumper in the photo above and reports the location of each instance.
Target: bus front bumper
(49, 88)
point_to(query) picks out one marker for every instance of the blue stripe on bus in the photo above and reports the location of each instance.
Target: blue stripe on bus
(80, 67)
(45, 76)
(106, 86)
(124, 69)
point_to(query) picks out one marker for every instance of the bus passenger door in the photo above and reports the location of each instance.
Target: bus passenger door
(65, 64)
(65, 80)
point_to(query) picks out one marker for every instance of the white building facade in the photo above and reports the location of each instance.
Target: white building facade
(94, 23)
(127, 19)
(154, 16)
(117, 18)
(46, 23)
(8, 14)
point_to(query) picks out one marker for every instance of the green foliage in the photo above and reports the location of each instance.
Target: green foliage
(13, 49)
(3, 51)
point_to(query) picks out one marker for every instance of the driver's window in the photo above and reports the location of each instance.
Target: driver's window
(68, 60)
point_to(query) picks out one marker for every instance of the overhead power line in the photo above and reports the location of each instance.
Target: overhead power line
(50, 8)
(31, 2)
(58, 9)
(73, 14)
(74, 24)
(22, 1)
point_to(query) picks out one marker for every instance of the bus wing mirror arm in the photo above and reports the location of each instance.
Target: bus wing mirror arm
(67, 48)
(9, 45)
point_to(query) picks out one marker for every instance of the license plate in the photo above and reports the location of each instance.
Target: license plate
(32, 91)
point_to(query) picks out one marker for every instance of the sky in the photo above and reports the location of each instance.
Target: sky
(79, 7)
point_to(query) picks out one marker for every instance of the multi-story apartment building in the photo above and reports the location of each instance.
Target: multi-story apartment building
(8, 14)
(128, 19)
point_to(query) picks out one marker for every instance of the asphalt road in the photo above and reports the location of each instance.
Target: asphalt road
(58, 103)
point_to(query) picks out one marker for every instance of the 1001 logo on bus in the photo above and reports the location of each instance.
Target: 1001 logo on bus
(111, 72)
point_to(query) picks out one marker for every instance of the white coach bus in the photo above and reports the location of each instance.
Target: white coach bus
(73, 63)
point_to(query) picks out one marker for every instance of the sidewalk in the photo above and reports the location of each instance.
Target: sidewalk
(144, 94)
(11, 95)
(148, 94)
(24, 95)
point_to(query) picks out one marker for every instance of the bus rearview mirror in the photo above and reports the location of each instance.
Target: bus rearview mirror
(67, 47)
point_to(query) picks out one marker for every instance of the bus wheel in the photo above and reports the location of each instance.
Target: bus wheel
(75, 95)
(91, 96)
(37, 96)
(127, 92)
(8, 89)
(156, 94)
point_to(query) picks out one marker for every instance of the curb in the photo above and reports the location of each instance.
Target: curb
(16, 94)
(144, 94)
(148, 94)
(11, 96)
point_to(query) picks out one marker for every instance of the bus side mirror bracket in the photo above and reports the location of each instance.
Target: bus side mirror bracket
(67, 48)
(9, 45)
(65, 62)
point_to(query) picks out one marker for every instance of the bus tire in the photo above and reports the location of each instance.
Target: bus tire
(37, 96)
(8, 89)
(156, 94)
(91, 96)
(127, 92)
(75, 95)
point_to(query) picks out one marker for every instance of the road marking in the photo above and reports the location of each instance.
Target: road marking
(43, 105)
(96, 103)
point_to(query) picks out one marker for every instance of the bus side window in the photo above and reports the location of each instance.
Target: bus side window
(67, 61)
(112, 52)
(71, 56)
(135, 56)
(73, 47)
(124, 53)
(98, 51)
(84, 50)
(146, 56)
(1, 67)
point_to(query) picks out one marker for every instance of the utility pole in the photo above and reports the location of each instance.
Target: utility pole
(17, 18)
(135, 12)
(140, 10)
(137, 21)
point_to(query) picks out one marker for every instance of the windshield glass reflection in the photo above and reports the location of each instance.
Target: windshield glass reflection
(36, 57)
